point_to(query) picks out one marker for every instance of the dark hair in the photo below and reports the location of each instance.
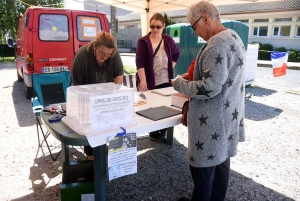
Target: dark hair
(158, 16)
(104, 38)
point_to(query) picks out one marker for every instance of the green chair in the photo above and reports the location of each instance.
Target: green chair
(49, 88)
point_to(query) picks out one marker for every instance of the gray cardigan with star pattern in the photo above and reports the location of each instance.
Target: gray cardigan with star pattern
(217, 107)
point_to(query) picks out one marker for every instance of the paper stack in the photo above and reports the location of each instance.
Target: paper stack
(178, 100)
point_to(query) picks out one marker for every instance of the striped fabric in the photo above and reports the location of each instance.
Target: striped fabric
(130, 81)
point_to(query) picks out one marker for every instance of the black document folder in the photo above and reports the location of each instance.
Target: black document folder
(157, 113)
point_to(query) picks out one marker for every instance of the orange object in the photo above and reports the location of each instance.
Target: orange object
(191, 70)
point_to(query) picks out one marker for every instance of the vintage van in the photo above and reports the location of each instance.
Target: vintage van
(48, 38)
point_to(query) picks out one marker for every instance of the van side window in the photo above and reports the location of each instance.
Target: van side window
(87, 27)
(53, 27)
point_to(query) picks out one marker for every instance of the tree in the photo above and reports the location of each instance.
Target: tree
(168, 21)
(12, 10)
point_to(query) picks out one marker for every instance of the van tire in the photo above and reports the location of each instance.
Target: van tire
(28, 91)
(20, 79)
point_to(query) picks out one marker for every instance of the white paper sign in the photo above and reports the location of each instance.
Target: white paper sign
(89, 31)
(122, 156)
(108, 109)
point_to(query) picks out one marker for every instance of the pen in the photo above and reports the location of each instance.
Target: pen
(176, 106)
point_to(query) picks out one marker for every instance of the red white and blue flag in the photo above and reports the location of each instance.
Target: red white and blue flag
(279, 63)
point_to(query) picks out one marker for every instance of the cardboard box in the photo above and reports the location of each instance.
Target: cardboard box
(178, 99)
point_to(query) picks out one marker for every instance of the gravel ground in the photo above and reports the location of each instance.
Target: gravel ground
(267, 166)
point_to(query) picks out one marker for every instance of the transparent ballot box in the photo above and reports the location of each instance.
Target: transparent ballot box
(97, 106)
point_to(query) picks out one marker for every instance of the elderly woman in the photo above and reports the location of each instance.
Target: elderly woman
(216, 110)
(97, 62)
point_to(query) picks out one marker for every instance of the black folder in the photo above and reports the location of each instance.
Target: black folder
(157, 113)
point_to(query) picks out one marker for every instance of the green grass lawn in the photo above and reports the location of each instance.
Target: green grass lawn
(7, 59)
(130, 69)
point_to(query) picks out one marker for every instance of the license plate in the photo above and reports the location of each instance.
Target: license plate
(54, 69)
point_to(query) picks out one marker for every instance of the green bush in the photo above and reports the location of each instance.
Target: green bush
(280, 49)
(264, 52)
(294, 55)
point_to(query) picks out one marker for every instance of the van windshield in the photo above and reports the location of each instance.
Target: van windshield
(87, 27)
(53, 27)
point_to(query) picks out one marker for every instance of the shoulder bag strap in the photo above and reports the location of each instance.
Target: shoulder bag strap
(157, 48)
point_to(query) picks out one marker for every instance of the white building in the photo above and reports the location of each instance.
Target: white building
(276, 23)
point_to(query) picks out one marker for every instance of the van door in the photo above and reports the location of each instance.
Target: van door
(86, 26)
(52, 40)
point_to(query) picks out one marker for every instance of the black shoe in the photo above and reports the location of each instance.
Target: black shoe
(184, 199)
(159, 139)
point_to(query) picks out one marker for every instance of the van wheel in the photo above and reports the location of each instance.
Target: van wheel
(20, 79)
(28, 91)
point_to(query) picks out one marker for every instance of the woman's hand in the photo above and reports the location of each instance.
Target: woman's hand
(143, 86)
(185, 76)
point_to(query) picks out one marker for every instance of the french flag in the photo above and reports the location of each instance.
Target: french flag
(279, 63)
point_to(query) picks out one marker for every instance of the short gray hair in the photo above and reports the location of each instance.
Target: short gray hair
(203, 7)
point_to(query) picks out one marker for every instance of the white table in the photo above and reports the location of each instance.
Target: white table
(143, 125)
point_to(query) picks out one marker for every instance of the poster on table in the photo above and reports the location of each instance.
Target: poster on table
(122, 156)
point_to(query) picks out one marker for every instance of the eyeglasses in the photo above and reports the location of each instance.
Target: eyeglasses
(102, 54)
(193, 26)
(157, 27)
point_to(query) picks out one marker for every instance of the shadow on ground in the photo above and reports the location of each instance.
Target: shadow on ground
(22, 106)
(163, 174)
(252, 107)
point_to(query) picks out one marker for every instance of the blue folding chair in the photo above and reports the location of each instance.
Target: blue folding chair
(48, 89)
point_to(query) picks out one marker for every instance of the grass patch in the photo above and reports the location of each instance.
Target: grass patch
(130, 69)
(7, 59)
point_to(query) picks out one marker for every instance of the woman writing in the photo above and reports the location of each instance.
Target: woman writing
(97, 62)
(156, 57)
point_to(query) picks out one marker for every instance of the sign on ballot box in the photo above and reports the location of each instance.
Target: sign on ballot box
(97, 106)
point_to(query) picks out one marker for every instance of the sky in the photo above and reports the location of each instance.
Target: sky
(74, 4)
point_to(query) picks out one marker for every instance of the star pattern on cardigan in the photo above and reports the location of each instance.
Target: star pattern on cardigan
(192, 158)
(230, 137)
(214, 136)
(211, 157)
(227, 104)
(206, 100)
(234, 115)
(219, 59)
(232, 48)
(230, 81)
(202, 120)
(241, 122)
(206, 74)
(203, 91)
(234, 36)
(199, 145)
(240, 62)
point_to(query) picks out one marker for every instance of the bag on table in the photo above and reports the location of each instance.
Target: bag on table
(184, 112)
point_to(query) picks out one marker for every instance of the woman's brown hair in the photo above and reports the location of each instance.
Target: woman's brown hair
(103, 38)
(158, 16)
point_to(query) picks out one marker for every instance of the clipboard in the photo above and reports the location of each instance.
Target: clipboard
(168, 91)
(157, 113)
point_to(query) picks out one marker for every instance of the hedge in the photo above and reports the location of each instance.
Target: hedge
(264, 54)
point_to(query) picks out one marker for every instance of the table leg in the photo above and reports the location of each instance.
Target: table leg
(170, 131)
(100, 172)
(64, 153)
